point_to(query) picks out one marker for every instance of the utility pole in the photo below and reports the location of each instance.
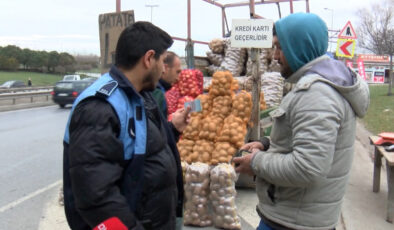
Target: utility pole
(118, 2)
(151, 9)
(332, 22)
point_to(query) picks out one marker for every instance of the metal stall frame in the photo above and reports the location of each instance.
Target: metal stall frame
(251, 3)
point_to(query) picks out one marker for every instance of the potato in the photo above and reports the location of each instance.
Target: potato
(206, 104)
(211, 127)
(223, 197)
(221, 106)
(242, 105)
(234, 131)
(196, 195)
(263, 105)
(222, 82)
(217, 46)
(185, 148)
(223, 153)
(193, 128)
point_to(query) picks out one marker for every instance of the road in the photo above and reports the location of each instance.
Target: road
(30, 163)
(31, 171)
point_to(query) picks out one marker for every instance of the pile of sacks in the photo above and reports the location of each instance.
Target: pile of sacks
(238, 61)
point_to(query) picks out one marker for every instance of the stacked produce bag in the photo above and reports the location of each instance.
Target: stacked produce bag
(196, 193)
(238, 61)
(214, 134)
(234, 59)
(188, 87)
(210, 196)
(222, 197)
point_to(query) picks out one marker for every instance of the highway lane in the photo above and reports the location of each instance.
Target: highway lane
(30, 163)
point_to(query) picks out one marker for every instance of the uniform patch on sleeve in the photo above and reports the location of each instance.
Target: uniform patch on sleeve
(108, 88)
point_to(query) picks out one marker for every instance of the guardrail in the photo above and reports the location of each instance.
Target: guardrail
(27, 89)
(24, 98)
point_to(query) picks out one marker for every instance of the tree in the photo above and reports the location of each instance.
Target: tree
(25, 58)
(375, 32)
(53, 60)
(10, 64)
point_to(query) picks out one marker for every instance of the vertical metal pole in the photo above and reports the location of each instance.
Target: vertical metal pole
(223, 31)
(291, 7)
(254, 132)
(118, 6)
(251, 7)
(307, 6)
(188, 20)
(189, 44)
(280, 13)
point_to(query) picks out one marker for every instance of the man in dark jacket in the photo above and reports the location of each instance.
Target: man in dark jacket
(121, 165)
(172, 69)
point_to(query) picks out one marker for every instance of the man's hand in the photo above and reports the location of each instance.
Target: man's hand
(180, 119)
(252, 146)
(243, 164)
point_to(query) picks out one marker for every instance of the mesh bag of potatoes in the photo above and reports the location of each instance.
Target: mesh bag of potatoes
(221, 84)
(212, 69)
(185, 148)
(263, 61)
(272, 85)
(222, 196)
(234, 59)
(211, 127)
(233, 131)
(263, 105)
(196, 194)
(203, 149)
(242, 105)
(223, 153)
(217, 46)
(206, 104)
(184, 166)
(215, 59)
(235, 85)
(221, 106)
(192, 130)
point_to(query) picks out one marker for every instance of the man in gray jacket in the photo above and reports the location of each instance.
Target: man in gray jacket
(302, 177)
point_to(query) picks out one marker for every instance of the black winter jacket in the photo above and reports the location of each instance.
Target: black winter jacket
(94, 170)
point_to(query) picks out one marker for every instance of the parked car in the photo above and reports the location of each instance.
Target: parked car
(71, 77)
(65, 92)
(12, 84)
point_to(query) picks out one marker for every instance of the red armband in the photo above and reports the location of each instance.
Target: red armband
(112, 223)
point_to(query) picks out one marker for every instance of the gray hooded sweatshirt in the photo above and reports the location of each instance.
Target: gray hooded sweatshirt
(301, 179)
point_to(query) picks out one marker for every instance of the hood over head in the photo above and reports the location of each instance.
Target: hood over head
(335, 73)
(302, 37)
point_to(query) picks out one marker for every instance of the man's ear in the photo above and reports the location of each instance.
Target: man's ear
(148, 58)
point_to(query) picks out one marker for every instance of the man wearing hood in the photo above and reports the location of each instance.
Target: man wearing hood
(302, 177)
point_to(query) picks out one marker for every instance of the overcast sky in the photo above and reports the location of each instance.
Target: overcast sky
(72, 25)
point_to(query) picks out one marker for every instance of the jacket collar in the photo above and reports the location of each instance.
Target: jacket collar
(163, 84)
(295, 77)
(123, 82)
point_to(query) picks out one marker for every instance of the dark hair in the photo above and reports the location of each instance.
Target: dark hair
(273, 30)
(169, 60)
(136, 40)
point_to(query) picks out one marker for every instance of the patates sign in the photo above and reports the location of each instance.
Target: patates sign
(251, 33)
(110, 27)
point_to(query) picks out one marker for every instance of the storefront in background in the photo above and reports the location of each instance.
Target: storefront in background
(373, 68)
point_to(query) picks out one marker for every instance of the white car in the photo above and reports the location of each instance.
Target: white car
(71, 78)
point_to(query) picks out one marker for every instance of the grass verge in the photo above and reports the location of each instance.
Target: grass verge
(380, 115)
